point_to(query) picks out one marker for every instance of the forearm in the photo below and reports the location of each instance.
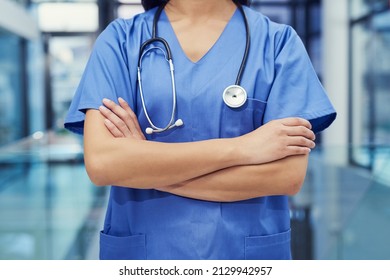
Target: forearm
(129, 161)
(281, 177)
(144, 164)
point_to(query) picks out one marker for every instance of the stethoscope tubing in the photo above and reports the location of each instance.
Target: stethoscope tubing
(171, 69)
(247, 47)
(150, 41)
(168, 57)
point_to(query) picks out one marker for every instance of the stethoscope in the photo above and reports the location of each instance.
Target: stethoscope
(234, 96)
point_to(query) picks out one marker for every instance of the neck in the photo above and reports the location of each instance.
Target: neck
(199, 8)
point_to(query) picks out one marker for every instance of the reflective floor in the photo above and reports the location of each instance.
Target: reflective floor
(50, 210)
(48, 207)
(349, 209)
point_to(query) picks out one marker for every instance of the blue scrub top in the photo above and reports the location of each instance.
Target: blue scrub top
(280, 82)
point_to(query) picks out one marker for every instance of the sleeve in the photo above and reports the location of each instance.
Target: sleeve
(105, 76)
(296, 90)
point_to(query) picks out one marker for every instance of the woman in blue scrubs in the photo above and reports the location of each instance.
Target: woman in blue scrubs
(216, 186)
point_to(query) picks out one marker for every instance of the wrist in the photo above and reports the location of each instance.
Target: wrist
(235, 151)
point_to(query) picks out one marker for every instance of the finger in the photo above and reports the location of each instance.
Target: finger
(127, 108)
(135, 124)
(301, 131)
(297, 122)
(296, 150)
(122, 119)
(115, 120)
(300, 141)
(124, 116)
(116, 109)
(113, 129)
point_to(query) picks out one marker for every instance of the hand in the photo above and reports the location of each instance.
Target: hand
(121, 120)
(276, 140)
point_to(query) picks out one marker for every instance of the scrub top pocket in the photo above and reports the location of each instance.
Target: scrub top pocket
(239, 121)
(268, 247)
(122, 248)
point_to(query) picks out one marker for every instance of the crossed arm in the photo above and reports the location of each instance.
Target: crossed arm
(271, 160)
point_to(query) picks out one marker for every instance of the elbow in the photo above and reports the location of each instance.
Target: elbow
(96, 171)
(295, 185)
(102, 171)
(295, 174)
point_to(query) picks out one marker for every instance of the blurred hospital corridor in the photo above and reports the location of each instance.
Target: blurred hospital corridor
(49, 208)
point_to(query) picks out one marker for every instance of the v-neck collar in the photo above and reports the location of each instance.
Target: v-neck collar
(175, 40)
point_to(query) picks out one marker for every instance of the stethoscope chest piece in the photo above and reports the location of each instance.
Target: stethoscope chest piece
(234, 96)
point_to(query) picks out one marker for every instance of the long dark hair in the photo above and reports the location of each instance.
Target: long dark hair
(149, 4)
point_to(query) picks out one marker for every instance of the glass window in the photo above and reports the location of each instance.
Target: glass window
(36, 86)
(300, 21)
(281, 14)
(370, 85)
(360, 8)
(22, 2)
(68, 17)
(315, 19)
(69, 55)
(10, 88)
(128, 11)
